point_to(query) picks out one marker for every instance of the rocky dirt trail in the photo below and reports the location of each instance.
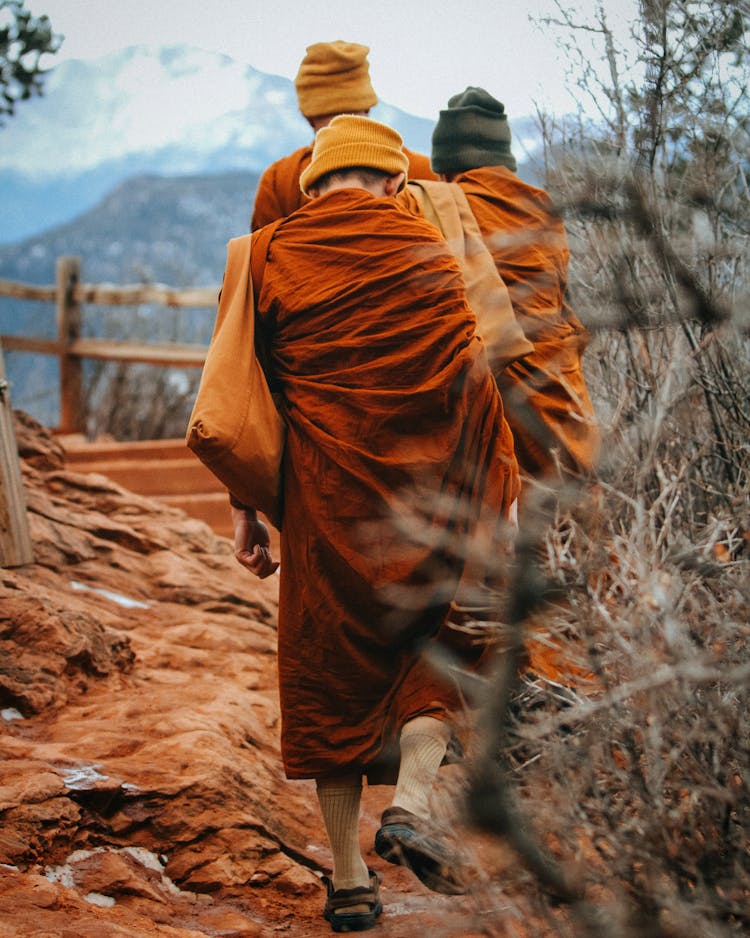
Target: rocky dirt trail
(141, 788)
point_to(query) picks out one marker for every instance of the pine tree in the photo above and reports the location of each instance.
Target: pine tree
(24, 40)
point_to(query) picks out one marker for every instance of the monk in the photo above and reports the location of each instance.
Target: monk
(396, 446)
(548, 405)
(547, 402)
(333, 78)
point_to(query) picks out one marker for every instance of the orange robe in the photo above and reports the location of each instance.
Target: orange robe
(527, 239)
(279, 194)
(396, 446)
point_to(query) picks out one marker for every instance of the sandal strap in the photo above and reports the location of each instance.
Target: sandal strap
(359, 895)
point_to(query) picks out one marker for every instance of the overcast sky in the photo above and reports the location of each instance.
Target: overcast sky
(421, 52)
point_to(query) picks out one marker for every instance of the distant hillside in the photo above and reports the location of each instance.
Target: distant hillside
(168, 229)
(169, 111)
(150, 229)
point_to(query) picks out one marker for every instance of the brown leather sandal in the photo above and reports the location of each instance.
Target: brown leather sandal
(407, 840)
(340, 899)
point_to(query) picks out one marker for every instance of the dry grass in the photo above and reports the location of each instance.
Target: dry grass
(642, 784)
(623, 782)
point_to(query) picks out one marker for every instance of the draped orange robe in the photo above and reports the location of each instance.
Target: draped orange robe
(396, 445)
(547, 402)
(279, 194)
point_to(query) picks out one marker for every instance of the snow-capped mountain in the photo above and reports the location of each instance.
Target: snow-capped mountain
(168, 110)
(140, 102)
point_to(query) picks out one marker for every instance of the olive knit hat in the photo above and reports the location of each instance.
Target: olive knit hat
(350, 141)
(472, 132)
(334, 78)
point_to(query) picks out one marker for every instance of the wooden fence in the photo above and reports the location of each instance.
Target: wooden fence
(68, 294)
(70, 348)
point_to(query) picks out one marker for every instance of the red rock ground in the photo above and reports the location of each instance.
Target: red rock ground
(141, 789)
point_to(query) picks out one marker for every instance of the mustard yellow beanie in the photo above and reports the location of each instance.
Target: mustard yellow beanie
(334, 78)
(350, 141)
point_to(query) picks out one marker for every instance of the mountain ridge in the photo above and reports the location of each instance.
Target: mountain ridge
(169, 110)
(149, 228)
(79, 176)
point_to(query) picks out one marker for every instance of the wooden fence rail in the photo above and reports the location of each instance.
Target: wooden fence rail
(70, 348)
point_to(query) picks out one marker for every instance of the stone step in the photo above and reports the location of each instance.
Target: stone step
(77, 450)
(213, 508)
(162, 469)
(155, 476)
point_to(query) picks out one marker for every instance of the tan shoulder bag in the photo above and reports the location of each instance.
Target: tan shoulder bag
(235, 428)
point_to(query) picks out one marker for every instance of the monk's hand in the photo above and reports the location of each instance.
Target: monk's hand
(252, 543)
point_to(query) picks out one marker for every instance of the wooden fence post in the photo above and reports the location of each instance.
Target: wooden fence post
(68, 330)
(15, 539)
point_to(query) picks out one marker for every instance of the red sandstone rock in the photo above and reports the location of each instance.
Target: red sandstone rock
(141, 788)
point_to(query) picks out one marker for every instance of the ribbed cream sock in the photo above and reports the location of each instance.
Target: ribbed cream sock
(339, 800)
(424, 741)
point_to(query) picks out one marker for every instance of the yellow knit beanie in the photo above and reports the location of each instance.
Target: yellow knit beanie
(334, 78)
(350, 141)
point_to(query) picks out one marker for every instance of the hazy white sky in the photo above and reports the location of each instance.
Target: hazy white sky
(421, 52)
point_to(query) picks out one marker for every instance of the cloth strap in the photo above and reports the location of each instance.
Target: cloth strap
(259, 252)
(444, 204)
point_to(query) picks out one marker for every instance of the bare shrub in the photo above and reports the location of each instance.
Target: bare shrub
(629, 797)
(133, 401)
(623, 785)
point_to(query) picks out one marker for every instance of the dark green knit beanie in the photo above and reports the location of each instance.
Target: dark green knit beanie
(472, 132)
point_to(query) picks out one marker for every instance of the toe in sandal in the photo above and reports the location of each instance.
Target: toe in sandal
(338, 900)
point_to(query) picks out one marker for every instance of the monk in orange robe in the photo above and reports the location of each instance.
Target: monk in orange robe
(396, 446)
(333, 78)
(548, 404)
